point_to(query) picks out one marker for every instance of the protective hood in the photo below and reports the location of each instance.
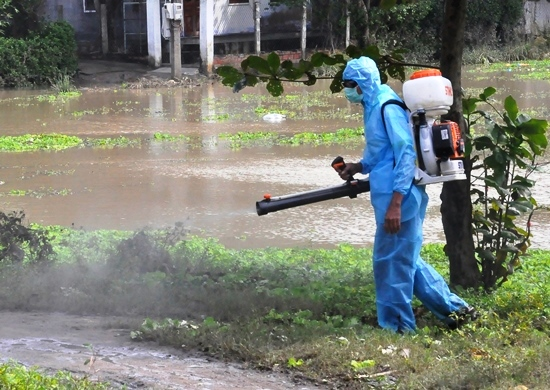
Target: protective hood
(365, 73)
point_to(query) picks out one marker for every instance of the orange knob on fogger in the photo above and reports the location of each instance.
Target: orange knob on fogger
(425, 73)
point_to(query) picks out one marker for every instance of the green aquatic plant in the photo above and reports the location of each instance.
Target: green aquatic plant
(41, 192)
(108, 143)
(328, 138)
(164, 137)
(242, 139)
(30, 142)
(246, 139)
(33, 142)
(216, 118)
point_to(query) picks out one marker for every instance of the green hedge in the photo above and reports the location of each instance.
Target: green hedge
(40, 58)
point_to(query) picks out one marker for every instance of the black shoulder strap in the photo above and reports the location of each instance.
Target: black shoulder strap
(391, 101)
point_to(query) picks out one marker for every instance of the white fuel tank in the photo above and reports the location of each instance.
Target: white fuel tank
(427, 89)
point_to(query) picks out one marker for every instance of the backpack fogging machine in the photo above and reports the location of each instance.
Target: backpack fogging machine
(439, 145)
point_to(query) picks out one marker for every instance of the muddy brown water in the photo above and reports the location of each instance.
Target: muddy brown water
(100, 348)
(211, 188)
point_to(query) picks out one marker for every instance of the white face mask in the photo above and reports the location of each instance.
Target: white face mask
(352, 95)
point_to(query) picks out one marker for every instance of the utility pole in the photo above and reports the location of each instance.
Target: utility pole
(174, 15)
(207, 36)
(304, 29)
(257, 26)
(175, 48)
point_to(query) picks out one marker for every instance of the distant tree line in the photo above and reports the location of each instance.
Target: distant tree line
(415, 26)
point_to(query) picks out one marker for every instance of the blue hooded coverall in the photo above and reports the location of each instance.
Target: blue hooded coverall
(390, 160)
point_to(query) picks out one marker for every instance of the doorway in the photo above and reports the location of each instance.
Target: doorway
(191, 18)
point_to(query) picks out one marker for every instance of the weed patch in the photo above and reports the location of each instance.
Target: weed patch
(308, 312)
(15, 376)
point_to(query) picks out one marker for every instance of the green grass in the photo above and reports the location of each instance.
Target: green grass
(309, 312)
(15, 376)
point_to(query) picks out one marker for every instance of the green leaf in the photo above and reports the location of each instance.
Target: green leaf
(533, 126)
(275, 87)
(260, 64)
(497, 134)
(353, 51)
(305, 66)
(318, 59)
(511, 107)
(274, 62)
(534, 147)
(509, 248)
(244, 64)
(522, 182)
(230, 76)
(484, 232)
(513, 212)
(538, 139)
(291, 73)
(489, 91)
(523, 152)
(469, 105)
(227, 71)
(468, 149)
(330, 61)
(396, 72)
(251, 80)
(292, 362)
(336, 85)
(486, 254)
(483, 142)
(311, 79)
(372, 52)
(522, 206)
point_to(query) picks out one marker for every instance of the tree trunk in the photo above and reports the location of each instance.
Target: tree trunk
(364, 5)
(456, 206)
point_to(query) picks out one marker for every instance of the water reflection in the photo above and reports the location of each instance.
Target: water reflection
(209, 186)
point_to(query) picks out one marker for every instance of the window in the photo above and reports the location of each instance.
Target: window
(238, 1)
(89, 5)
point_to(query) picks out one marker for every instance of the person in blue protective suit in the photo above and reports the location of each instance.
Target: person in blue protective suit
(389, 159)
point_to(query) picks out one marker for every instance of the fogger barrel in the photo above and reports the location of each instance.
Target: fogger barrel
(351, 188)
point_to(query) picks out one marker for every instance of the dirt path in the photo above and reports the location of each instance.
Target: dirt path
(55, 341)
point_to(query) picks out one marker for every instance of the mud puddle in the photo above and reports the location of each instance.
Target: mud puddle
(56, 341)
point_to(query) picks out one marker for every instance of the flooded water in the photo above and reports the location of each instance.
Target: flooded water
(208, 185)
(100, 348)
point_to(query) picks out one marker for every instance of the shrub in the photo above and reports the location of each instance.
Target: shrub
(40, 58)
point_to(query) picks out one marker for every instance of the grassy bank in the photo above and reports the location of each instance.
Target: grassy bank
(308, 312)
